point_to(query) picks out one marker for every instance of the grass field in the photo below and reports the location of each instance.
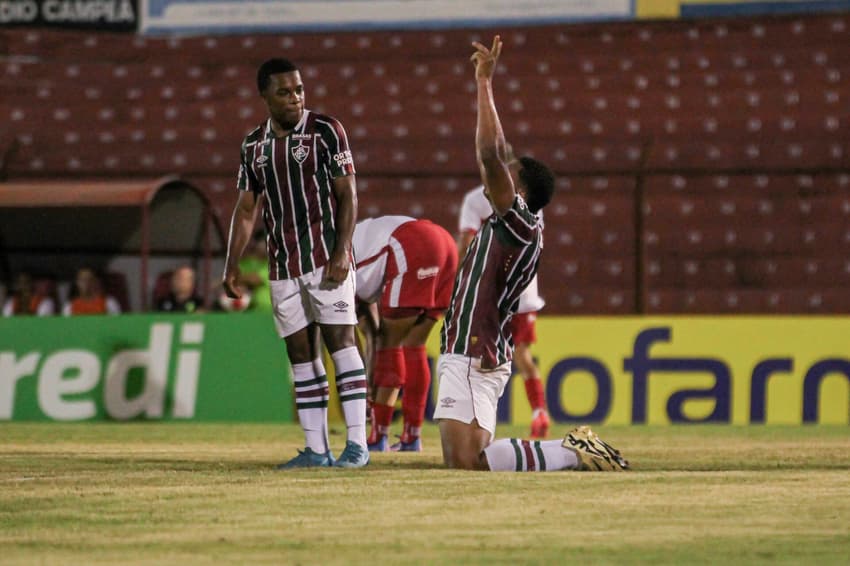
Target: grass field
(192, 493)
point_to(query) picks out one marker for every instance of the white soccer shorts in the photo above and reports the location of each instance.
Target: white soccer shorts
(301, 300)
(466, 392)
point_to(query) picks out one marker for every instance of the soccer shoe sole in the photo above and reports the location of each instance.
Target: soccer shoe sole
(594, 454)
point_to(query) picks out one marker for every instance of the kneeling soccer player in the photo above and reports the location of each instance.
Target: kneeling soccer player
(474, 365)
(405, 271)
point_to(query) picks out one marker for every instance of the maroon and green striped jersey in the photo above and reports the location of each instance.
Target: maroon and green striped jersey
(502, 259)
(295, 173)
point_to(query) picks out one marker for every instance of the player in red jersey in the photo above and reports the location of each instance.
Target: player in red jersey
(405, 271)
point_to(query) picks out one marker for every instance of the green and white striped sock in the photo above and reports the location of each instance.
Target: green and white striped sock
(515, 455)
(311, 402)
(351, 386)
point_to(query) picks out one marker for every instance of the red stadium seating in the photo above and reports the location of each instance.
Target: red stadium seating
(709, 159)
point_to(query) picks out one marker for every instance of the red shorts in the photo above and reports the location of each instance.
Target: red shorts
(523, 329)
(427, 257)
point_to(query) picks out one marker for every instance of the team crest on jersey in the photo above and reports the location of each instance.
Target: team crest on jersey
(300, 153)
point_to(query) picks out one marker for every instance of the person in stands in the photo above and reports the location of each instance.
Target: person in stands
(88, 297)
(27, 299)
(182, 297)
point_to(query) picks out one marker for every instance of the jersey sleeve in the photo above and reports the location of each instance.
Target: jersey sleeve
(474, 210)
(335, 141)
(520, 223)
(245, 179)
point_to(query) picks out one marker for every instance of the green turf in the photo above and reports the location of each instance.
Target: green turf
(167, 493)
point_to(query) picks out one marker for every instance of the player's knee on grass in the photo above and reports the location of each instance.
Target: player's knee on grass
(463, 444)
(468, 461)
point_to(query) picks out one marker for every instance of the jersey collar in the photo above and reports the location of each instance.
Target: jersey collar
(298, 127)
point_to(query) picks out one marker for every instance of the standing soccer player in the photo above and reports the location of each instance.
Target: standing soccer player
(474, 211)
(475, 360)
(297, 167)
(405, 271)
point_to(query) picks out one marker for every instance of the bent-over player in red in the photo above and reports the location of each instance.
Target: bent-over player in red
(405, 271)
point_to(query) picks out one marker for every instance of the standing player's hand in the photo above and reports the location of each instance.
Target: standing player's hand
(230, 283)
(337, 269)
(485, 59)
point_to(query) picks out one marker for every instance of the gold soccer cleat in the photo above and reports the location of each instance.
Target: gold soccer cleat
(594, 455)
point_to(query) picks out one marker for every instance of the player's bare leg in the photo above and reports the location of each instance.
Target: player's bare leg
(533, 390)
(351, 386)
(463, 444)
(388, 377)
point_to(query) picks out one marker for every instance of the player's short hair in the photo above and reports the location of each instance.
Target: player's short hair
(539, 183)
(273, 67)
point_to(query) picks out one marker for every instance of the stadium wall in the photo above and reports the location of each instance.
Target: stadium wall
(611, 370)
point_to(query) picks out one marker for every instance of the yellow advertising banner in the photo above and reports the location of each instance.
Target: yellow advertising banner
(664, 370)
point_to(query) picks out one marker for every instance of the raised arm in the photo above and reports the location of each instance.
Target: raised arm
(345, 192)
(491, 148)
(241, 228)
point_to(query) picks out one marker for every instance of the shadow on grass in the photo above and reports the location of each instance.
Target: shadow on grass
(50, 463)
(46, 463)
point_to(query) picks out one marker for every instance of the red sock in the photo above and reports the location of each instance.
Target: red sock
(389, 370)
(383, 418)
(534, 392)
(418, 381)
